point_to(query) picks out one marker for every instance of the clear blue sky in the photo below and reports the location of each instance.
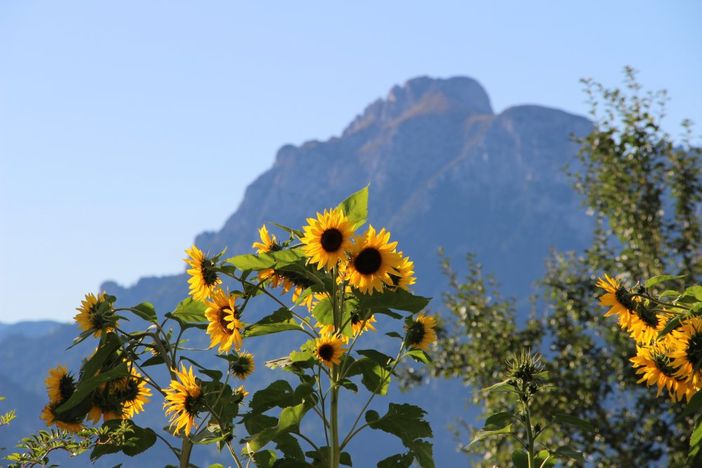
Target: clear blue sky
(128, 127)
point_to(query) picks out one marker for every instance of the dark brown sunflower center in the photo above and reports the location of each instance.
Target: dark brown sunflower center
(192, 404)
(326, 352)
(355, 318)
(694, 351)
(223, 322)
(331, 240)
(646, 315)
(242, 366)
(663, 364)
(368, 261)
(295, 278)
(625, 298)
(66, 387)
(209, 273)
(415, 333)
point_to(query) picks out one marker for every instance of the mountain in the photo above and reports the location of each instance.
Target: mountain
(444, 170)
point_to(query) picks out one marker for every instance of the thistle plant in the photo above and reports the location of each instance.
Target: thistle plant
(332, 286)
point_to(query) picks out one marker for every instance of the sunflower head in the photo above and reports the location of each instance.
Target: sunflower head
(373, 262)
(329, 349)
(132, 393)
(50, 418)
(240, 393)
(421, 332)
(359, 325)
(224, 326)
(327, 238)
(687, 351)
(654, 364)
(60, 385)
(268, 242)
(203, 271)
(619, 300)
(96, 314)
(405, 274)
(242, 365)
(644, 324)
(183, 400)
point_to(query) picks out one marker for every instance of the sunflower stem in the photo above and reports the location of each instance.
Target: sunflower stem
(335, 457)
(185, 449)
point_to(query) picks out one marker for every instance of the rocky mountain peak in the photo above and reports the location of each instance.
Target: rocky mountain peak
(424, 96)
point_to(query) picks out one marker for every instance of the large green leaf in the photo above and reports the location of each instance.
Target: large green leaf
(399, 300)
(85, 387)
(288, 421)
(402, 420)
(661, 279)
(276, 259)
(355, 207)
(146, 311)
(106, 349)
(189, 313)
(278, 321)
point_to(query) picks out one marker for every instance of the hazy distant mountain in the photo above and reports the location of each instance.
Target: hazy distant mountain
(444, 170)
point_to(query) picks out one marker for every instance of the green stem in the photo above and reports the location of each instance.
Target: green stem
(335, 457)
(530, 432)
(185, 450)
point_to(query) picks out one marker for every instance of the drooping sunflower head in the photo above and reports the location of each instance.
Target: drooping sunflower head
(373, 260)
(242, 365)
(687, 351)
(268, 242)
(405, 274)
(358, 325)
(183, 400)
(50, 418)
(96, 314)
(60, 385)
(203, 274)
(644, 324)
(619, 300)
(329, 349)
(224, 326)
(421, 332)
(655, 366)
(327, 238)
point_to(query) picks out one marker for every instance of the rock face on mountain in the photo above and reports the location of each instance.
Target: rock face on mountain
(444, 170)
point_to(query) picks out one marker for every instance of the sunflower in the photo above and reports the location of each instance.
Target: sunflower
(618, 299)
(203, 274)
(308, 301)
(687, 353)
(241, 392)
(327, 238)
(329, 349)
(225, 327)
(268, 242)
(654, 364)
(373, 261)
(183, 400)
(96, 314)
(60, 385)
(243, 365)
(421, 333)
(644, 324)
(359, 326)
(132, 392)
(405, 277)
(49, 416)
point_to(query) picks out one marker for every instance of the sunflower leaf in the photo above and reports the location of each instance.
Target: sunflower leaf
(86, 386)
(355, 207)
(694, 405)
(420, 355)
(651, 282)
(399, 300)
(672, 324)
(288, 421)
(146, 311)
(480, 435)
(278, 321)
(189, 313)
(404, 421)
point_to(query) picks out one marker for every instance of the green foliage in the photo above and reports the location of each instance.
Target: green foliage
(644, 191)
